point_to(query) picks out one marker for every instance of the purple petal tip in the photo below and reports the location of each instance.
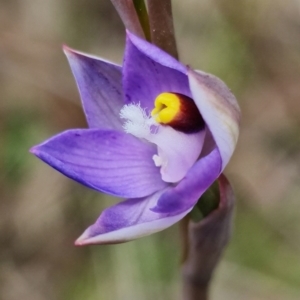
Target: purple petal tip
(78, 243)
(68, 51)
(33, 150)
(83, 239)
(128, 33)
(65, 47)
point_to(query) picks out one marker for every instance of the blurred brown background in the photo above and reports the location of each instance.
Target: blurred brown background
(254, 46)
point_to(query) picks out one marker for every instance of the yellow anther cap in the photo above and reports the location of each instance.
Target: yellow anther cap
(166, 107)
(177, 111)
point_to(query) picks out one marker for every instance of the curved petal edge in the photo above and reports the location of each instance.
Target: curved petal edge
(149, 71)
(128, 220)
(186, 194)
(108, 161)
(100, 86)
(218, 108)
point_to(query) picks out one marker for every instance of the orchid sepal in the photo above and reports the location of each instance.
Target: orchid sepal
(219, 109)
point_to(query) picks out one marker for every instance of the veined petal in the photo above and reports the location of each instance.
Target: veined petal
(148, 71)
(100, 87)
(128, 220)
(109, 161)
(177, 151)
(219, 110)
(188, 191)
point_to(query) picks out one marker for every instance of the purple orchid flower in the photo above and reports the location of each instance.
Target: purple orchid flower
(159, 135)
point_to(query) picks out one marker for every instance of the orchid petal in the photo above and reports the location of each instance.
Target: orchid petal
(177, 151)
(219, 110)
(148, 71)
(109, 161)
(188, 191)
(128, 220)
(134, 218)
(100, 86)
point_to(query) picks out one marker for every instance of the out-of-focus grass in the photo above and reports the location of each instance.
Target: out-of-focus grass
(258, 246)
(20, 130)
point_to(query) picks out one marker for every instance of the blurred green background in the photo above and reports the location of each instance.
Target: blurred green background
(254, 46)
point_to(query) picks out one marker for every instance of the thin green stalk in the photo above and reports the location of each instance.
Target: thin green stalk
(208, 202)
(142, 13)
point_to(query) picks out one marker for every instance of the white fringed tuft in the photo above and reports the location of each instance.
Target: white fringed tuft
(137, 122)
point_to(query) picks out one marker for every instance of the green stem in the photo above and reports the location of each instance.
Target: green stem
(208, 202)
(142, 13)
